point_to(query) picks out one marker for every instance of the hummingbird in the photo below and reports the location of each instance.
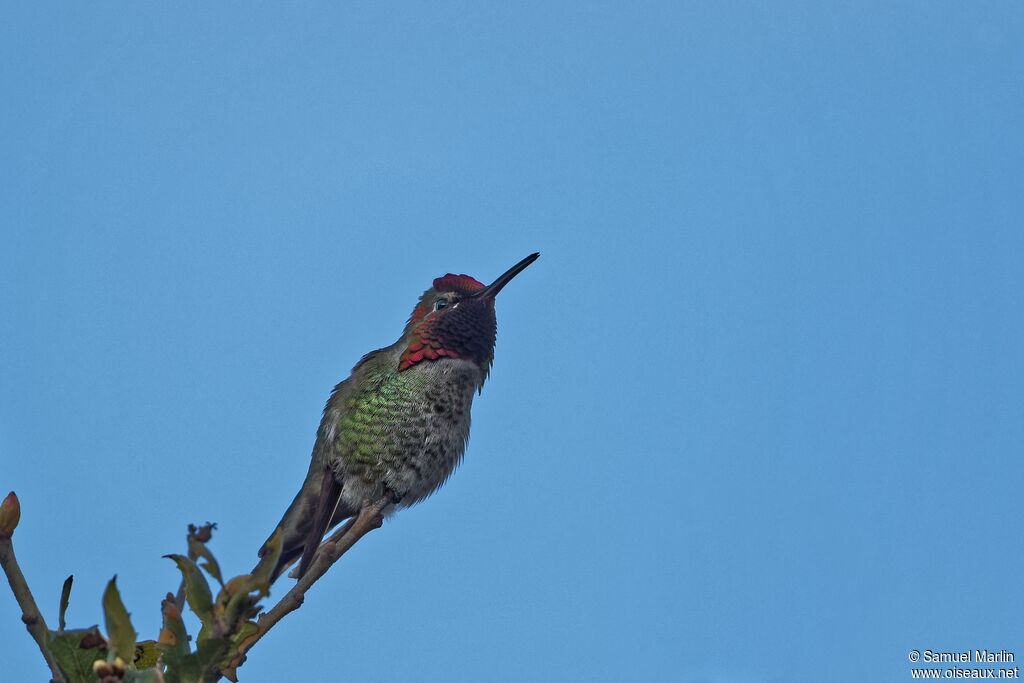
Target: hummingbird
(396, 429)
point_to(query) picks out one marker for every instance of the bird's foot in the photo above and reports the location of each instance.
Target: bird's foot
(392, 497)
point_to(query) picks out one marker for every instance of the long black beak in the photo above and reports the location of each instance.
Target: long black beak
(491, 290)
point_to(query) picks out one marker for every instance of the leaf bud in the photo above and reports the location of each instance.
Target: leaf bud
(10, 514)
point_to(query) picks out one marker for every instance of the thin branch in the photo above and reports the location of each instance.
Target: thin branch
(30, 614)
(330, 551)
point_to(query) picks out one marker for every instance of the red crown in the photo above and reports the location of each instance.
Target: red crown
(461, 284)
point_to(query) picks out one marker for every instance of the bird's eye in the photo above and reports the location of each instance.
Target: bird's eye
(440, 303)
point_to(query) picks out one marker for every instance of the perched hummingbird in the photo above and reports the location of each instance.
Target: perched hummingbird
(397, 427)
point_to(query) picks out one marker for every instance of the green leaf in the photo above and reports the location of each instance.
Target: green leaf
(148, 676)
(233, 659)
(237, 602)
(65, 598)
(173, 638)
(197, 590)
(202, 666)
(120, 631)
(197, 549)
(74, 660)
(147, 653)
(209, 655)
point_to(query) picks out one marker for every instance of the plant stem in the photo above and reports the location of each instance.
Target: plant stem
(30, 614)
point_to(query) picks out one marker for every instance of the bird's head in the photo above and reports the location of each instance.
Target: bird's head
(455, 319)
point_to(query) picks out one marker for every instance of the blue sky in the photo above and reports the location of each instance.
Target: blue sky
(757, 413)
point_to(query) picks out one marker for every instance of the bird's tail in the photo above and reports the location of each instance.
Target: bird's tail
(327, 507)
(306, 520)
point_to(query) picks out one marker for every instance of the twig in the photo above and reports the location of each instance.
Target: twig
(30, 614)
(330, 551)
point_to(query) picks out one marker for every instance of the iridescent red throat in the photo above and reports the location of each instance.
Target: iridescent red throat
(465, 329)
